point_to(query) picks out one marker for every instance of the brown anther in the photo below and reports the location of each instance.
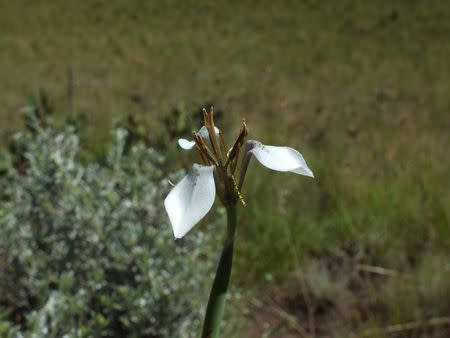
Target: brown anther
(205, 118)
(208, 119)
(234, 161)
(203, 148)
(237, 145)
(204, 159)
(211, 115)
(222, 143)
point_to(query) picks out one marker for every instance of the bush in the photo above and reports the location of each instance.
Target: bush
(86, 249)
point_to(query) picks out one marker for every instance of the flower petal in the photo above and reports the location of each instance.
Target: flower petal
(280, 158)
(203, 132)
(303, 171)
(186, 144)
(191, 199)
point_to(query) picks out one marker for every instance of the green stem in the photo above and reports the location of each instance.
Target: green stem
(217, 297)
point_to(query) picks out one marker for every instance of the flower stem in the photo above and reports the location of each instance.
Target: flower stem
(217, 297)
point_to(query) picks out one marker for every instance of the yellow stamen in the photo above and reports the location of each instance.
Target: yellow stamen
(237, 192)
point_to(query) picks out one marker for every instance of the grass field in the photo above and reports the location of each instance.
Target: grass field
(360, 88)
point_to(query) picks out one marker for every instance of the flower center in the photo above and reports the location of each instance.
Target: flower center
(216, 153)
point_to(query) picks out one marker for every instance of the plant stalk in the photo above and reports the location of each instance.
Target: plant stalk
(217, 297)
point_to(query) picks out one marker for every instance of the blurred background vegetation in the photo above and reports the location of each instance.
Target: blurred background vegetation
(360, 88)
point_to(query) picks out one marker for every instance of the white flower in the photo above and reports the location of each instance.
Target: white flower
(192, 198)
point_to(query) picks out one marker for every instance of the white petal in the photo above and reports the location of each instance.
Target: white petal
(303, 171)
(191, 199)
(203, 132)
(186, 144)
(280, 158)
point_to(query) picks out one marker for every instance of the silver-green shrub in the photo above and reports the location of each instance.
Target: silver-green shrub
(85, 247)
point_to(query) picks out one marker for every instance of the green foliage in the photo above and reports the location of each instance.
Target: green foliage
(85, 248)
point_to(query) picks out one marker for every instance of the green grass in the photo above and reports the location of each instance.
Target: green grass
(360, 88)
